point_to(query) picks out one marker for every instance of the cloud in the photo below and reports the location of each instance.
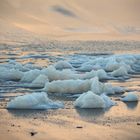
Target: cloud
(63, 11)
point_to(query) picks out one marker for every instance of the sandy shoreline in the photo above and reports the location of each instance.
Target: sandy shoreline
(59, 127)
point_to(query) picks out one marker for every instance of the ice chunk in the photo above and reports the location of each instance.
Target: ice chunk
(130, 97)
(108, 89)
(33, 101)
(107, 100)
(30, 75)
(127, 59)
(127, 67)
(98, 87)
(63, 65)
(40, 81)
(10, 74)
(118, 89)
(120, 72)
(89, 75)
(89, 100)
(65, 74)
(85, 67)
(94, 64)
(68, 86)
(101, 74)
(112, 65)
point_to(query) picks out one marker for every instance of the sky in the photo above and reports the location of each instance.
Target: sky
(81, 19)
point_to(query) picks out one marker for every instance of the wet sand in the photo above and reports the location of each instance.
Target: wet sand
(21, 126)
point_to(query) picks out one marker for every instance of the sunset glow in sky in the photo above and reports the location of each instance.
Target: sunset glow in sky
(77, 18)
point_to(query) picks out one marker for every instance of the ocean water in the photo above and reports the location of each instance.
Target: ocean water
(41, 54)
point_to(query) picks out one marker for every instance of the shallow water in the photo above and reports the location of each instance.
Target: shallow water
(42, 55)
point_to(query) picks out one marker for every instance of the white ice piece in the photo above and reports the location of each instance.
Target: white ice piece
(89, 100)
(33, 101)
(130, 97)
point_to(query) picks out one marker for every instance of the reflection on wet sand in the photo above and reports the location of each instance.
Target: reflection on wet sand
(131, 105)
(25, 113)
(90, 114)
